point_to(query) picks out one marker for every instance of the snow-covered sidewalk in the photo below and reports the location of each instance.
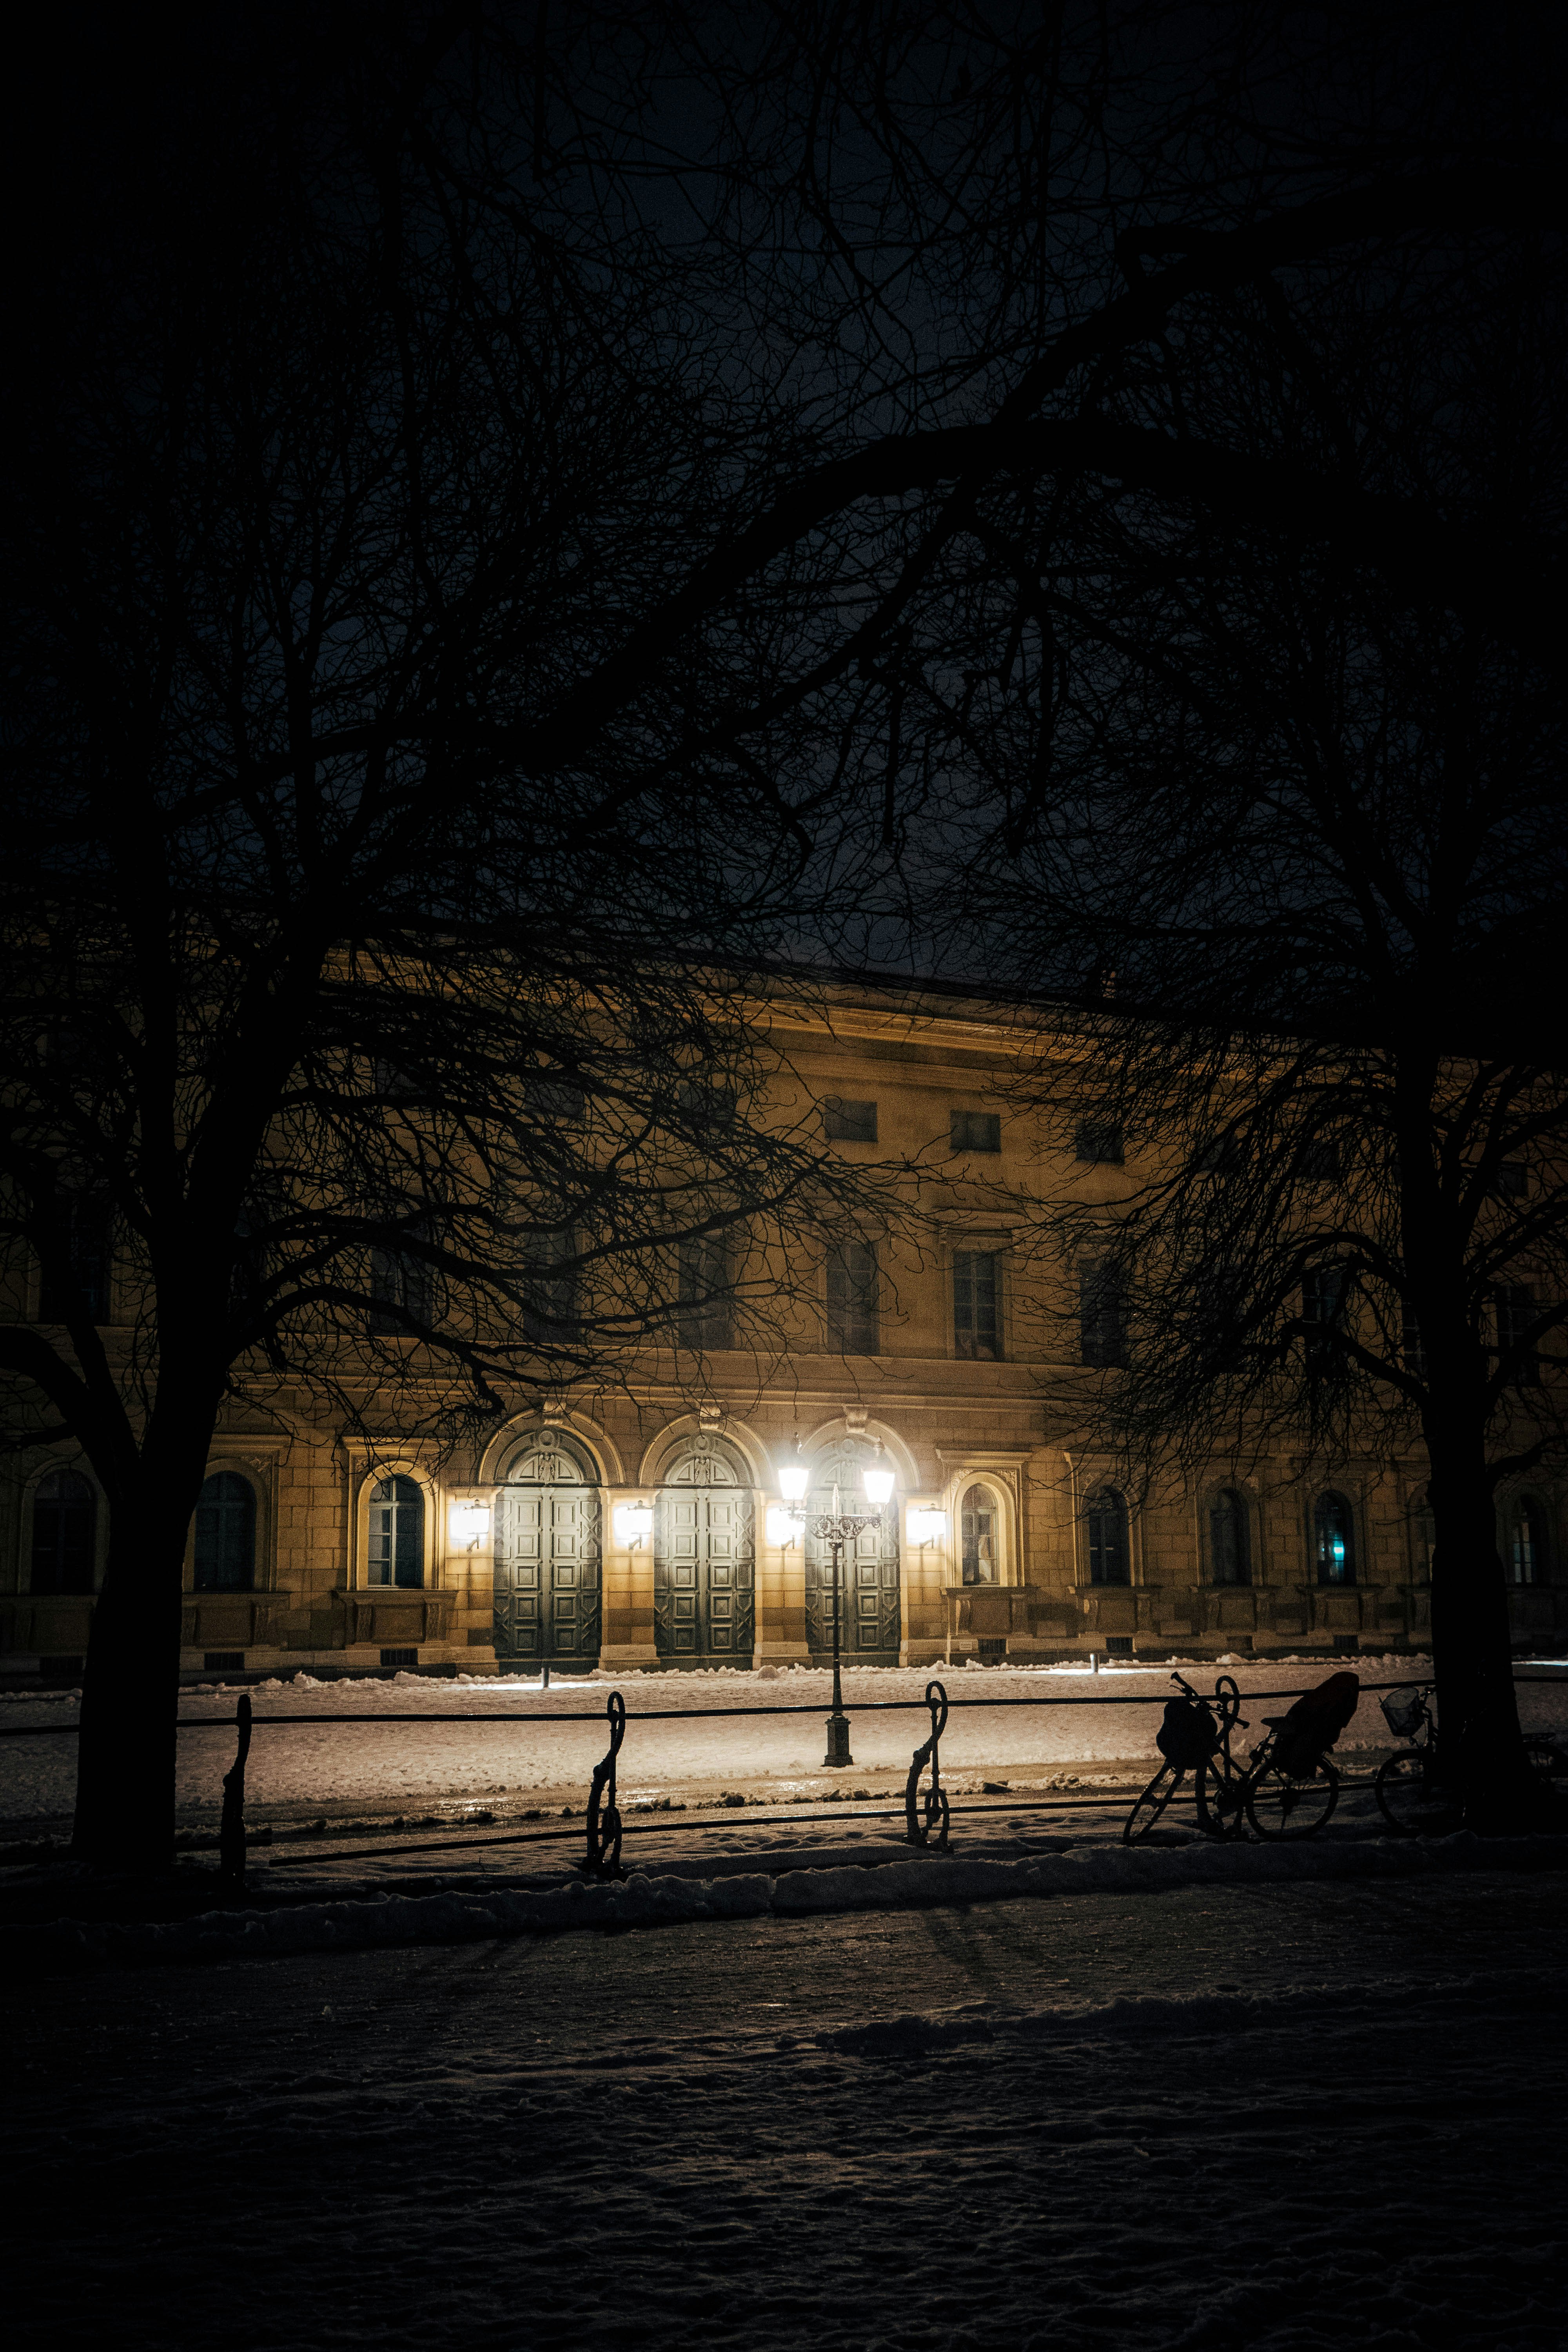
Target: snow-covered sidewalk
(300, 1761)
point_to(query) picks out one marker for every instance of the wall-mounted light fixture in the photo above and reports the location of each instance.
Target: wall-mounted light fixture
(634, 1524)
(786, 1528)
(469, 1521)
(927, 1527)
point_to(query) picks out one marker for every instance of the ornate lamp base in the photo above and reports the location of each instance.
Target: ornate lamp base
(839, 1741)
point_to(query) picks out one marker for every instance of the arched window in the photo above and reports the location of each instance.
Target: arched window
(1526, 1542)
(1229, 1549)
(977, 1532)
(64, 1529)
(397, 1533)
(1108, 1547)
(1333, 1539)
(1423, 1536)
(226, 1534)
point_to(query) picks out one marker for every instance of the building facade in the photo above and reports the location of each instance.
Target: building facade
(641, 1524)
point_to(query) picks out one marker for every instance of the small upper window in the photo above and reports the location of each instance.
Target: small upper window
(1333, 1539)
(977, 1536)
(1100, 1143)
(402, 1286)
(553, 1100)
(65, 1527)
(397, 1533)
(975, 1130)
(848, 1122)
(1510, 1182)
(1322, 1294)
(226, 1534)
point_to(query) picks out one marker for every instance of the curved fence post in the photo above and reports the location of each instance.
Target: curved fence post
(604, 1821)
(935, 1808)
(231, 1830)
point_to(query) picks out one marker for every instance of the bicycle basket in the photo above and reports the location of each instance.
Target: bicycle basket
(1187, 1735)
(1404, 1711)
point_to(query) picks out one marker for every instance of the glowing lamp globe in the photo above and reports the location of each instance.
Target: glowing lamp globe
(793, 1480)
(879, 1488)
(470, 1523)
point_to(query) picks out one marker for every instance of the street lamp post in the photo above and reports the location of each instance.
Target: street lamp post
(837, 1527)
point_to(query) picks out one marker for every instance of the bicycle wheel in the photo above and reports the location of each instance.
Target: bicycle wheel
(1409, 1800)
(1283, 1805)
(1151, 1804)
(1220, 1797)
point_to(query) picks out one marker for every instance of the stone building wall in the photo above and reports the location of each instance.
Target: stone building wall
(944, 1424)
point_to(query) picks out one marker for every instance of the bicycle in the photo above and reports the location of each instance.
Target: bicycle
(1411, 1794)
(1191, 1731)
(1285, 1791)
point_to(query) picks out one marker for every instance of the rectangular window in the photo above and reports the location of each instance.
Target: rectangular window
(1515, 1309)
(1413, 1345)
(555, 1101)
(852, 1319)
(1324, 1295)
(1101, 1333)
(550, 1295)
(705, 1318)
(84, 1272)
(1221, 1155)
(848, 1122)
(976, 1305)
(403, 1288)
(1099, 1143)
(975, 1130)
(1321, 1161)
(1509, 1182)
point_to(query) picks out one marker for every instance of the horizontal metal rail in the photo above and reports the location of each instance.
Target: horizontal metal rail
(1104, 1802)
(705, 1714)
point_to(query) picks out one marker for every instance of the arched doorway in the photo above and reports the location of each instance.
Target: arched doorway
(870, 1624)
(547, 1581)
(704, 1564)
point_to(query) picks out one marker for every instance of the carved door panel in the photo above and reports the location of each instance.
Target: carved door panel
(704, 1571)
(869, 1618)
(547, 1584)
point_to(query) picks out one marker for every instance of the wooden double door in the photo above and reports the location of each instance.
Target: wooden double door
(869, 1614)
(548, 1587)
(704, 1566)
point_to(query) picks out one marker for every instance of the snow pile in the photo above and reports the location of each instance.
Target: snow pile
(383, 1920)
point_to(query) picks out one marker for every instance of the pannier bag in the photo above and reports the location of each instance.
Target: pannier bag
(1311, 1728)
(1187, 1736)
(1404, 1711)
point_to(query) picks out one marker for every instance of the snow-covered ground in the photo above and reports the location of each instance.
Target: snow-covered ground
(1310, 2117)
(413, 1758)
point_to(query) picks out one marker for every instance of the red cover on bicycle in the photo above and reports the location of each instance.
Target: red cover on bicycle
(1311, 1728)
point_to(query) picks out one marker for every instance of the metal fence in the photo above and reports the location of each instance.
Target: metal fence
(926, 1811)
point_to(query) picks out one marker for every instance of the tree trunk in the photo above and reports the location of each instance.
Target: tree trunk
(1480, 1748)
(126, 1752)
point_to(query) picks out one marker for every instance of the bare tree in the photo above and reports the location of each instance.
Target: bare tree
(1293, 855)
